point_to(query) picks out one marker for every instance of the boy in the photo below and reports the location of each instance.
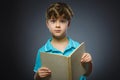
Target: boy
(58, 17)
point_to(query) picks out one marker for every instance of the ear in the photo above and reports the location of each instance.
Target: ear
(47, 23)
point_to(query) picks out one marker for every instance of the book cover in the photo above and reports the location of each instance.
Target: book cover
(64, 67)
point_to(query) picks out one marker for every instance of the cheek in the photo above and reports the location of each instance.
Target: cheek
(65, 28)
(49, 26)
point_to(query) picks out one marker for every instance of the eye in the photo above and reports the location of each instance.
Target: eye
(63, 21)
(53, 20)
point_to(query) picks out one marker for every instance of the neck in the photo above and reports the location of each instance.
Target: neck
(59, 40)
(60, 43)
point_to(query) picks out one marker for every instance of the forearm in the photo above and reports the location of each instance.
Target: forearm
(88, 67)
(36, 76)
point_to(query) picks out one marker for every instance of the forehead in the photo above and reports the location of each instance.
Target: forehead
(59, 17)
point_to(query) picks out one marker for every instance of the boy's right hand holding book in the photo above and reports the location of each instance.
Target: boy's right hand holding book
(43, 72)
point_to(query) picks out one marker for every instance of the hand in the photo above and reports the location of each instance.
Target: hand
(43, 72)
(86, 57)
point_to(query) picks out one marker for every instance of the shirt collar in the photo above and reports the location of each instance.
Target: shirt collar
(49, 47)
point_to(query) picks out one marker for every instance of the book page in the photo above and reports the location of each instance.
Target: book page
(76, 66)
(58, 65)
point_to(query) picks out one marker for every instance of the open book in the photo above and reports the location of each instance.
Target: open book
(64, 67)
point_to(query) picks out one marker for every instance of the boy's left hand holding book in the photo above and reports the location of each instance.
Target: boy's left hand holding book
(86, 57)
(86, 61)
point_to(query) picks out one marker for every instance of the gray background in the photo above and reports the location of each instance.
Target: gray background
(23, 32)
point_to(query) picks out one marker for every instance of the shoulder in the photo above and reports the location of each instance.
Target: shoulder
(73, 42)
(42, 49)
(45, 47)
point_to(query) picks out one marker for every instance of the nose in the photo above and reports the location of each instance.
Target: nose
(57, 24)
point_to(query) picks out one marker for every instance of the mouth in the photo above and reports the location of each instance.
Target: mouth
(57, 31)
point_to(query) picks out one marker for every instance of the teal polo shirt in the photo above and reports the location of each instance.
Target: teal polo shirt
(49, 48)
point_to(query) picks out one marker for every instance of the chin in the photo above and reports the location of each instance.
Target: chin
(58, 37)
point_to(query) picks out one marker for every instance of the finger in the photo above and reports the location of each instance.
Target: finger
(85, 59)
(87, 56)
(47, 69)
(44, 69)
(88, 59)
(84, 55)
(41, 71)
(44, 74)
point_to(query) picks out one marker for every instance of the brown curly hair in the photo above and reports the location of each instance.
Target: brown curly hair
(58, 9)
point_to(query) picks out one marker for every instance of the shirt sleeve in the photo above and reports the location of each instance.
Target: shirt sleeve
(38, 62)
(82, 77)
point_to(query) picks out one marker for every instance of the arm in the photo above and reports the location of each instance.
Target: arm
(86, 61)
(43, 72)
(36, 76)
(88, 67)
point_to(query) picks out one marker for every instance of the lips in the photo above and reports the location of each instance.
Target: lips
(57, 31)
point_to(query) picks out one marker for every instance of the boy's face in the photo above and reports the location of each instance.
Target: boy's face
(58, 27)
